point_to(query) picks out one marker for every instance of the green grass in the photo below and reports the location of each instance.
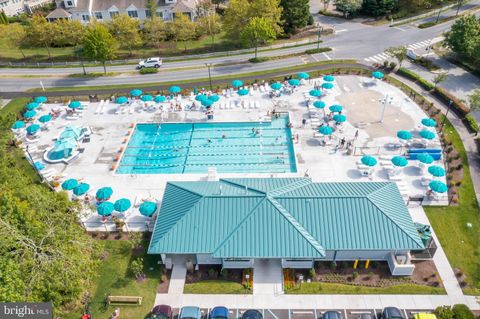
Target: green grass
(338, 289)
(461, 243)
(115, 278)
(216, 287)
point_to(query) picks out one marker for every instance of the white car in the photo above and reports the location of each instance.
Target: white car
(150, 63)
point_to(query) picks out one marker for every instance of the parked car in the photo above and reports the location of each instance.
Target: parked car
(332, 315)
(161, 312)
(150, 63)
(219, 313)
(190, 312)
(392, 313)
(252, 314)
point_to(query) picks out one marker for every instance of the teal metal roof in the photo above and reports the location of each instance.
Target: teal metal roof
(282, 218)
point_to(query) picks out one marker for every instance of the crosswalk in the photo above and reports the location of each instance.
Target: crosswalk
(379, 58)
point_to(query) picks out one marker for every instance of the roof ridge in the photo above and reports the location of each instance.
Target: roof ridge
(229, 181)
(298, 183)
(185, 189)
(305, 234)
(239, 225)
(416, 239)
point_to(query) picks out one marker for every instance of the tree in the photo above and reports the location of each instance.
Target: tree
(474, 100)
(400, 53)
(68, 32)
(239, 13)
(325, 4)
(183, 29)
(443, 312)
(258, 31)
(348, 7)
(98, 44)
(155, 32)
(440, 77)
(126, 31)
(136, 267)
(295, 14)
(15, 36)
(210, 25)
(40, 33)
(3, 17)
(379, 8)
(151, 6)
(464, 39)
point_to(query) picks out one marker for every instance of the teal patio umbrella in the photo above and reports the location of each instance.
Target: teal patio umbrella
(425, 158)
(32, 129)
(207, 102)
(436, 170)
(378, 75)
(147, 208)
(400, 161)
(32, 106)
(325, 130)
(369, 160)
(243, 92)
(315, 93)
(200, 97)
(74, 104)
(426, 134)
(237, 83)
(39, 166)
(104, 193)
(328, 78)
(335, 108)
(404, 135)
(214, 98)
(81, 189)
(136, 92)
(146, 98)
(18, 124)
(429, 122)
(69, 184)
(303, 75)
(159, 99)
(339, 118)
(294, 82)
(45, 118)
(105, 209)
(121, 100)
(327, 85)
(174, 89)
(122, 205)
(29, 114)
(276, 86)
(40, 99)
(319, 104)
(437, 186)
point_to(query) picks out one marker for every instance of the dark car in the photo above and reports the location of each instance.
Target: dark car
(392, 313)
(332, 315)
(252, 314)
(219, 313)
(161, 312)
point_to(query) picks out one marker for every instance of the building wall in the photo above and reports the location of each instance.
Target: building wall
(207, 259)
(12, 7)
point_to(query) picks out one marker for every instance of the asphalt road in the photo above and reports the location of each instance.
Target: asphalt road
(351, 40)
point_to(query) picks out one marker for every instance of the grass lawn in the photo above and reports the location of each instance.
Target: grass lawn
(216, 287)
(338, 289)
(461, 243)
(115, 278)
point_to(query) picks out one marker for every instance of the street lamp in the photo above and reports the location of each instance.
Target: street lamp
(385, 100)
(446, 114)
(319, 33)
(209, 65)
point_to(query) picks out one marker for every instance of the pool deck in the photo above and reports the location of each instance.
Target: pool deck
(359, 96)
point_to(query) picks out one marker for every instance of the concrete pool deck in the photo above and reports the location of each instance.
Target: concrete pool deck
(359, 96)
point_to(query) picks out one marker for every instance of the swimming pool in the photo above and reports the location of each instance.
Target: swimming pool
(230, 147)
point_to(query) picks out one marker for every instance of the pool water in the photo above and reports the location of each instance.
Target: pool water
(230, 147)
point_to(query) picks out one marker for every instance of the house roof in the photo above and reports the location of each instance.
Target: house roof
(59, 13)
(281, 218)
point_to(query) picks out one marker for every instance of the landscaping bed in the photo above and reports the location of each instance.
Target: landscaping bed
(215, 280)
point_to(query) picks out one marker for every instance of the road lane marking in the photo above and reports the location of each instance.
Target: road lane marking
(326, 55)
(398, 28)
(343, 30)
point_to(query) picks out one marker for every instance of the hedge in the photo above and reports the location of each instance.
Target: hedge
(472, 123)
(415, 77)
(259, 59)
(426, 25)
(148, 70)
(446, 97)
(319, 50)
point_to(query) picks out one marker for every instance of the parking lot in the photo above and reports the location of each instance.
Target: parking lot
(309, 313)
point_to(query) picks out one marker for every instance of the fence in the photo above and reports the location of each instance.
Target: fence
(110, 226)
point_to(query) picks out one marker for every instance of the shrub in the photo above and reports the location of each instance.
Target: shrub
(446, 97)
(393, 65)
(462, 312)
(426, 25)
(212, 273)
(415, 77)
(472, 123)
(311, 273)
(224, 272)
(148, 70)
(385, 64)
(258, 59)
(355, 275)
(319, 50)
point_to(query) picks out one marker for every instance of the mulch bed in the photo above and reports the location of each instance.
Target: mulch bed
(162, 287)
(378, 274)
(213, 272)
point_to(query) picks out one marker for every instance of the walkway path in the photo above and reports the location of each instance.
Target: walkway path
(177, 279)
(467, 138)
(267, 279)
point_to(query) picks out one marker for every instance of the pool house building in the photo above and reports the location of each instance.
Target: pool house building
(234, 222)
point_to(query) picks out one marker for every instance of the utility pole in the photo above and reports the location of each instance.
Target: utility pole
(319, 33)
(386, 99)
(209, 65)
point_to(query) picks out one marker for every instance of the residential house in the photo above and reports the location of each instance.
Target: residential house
(14, 7)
